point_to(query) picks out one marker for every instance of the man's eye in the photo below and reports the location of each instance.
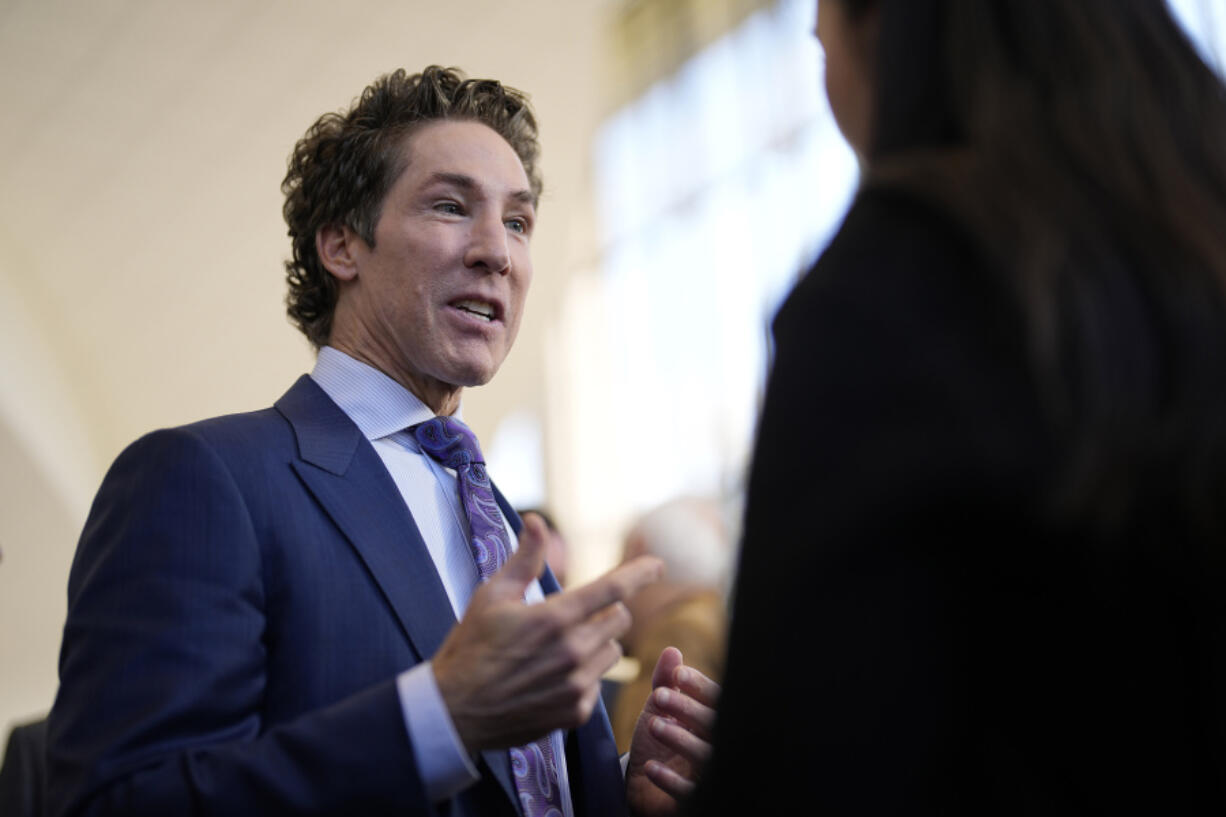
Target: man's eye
(449, 207)
(518, 225)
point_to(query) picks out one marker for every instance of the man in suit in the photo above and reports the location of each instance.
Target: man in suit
(280, 612)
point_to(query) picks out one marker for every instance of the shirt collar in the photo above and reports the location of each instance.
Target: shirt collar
(378, 405)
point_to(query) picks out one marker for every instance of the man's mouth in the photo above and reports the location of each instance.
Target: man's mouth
(481, 309)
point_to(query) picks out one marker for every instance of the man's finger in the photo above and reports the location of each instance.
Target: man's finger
(697, 686)
(682, 741)
(600, 629)
(526, 563)
(600, 662)
(668, 780)
(667, 664)
(693, 715)
(618, 584)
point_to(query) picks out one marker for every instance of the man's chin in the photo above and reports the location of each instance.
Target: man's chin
(473, 375)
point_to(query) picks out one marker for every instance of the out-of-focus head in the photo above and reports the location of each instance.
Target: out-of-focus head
(341, 170)
(689, 536)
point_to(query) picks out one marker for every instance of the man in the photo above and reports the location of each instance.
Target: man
(263, 608)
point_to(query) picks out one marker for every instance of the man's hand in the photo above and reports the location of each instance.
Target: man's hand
(511, 672)
(671, 740)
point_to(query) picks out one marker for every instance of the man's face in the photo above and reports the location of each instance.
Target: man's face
(436, 303)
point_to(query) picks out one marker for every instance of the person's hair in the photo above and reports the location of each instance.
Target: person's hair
(1083, 143)
(342, 168)
(545, 516)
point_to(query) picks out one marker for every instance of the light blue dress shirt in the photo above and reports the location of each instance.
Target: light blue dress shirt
(383, 410)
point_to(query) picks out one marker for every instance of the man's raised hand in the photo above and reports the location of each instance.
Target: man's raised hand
(511, 672)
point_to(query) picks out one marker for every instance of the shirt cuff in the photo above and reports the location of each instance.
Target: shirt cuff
(444, 767)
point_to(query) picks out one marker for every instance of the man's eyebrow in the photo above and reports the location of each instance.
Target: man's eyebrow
(455, 180)
(466, 182)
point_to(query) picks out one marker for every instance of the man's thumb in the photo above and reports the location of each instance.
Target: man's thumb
(527, 562)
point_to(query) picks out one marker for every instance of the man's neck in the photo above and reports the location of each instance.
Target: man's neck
(442, 398)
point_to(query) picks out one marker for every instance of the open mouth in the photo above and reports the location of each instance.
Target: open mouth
(480, 309)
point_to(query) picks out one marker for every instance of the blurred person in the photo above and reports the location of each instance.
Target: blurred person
(557, 549)
(988, 494)
(685, 609)
(263, 607)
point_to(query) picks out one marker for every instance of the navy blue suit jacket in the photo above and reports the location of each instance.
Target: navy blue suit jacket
(244, 594)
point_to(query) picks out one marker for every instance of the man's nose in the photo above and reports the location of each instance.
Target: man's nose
(488, 245)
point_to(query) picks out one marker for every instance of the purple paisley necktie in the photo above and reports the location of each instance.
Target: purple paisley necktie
(453, 445)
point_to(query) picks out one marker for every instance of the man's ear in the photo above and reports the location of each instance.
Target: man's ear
(335, 244)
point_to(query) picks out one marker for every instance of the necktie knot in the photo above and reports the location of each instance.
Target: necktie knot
(452, 444)
(449, 442)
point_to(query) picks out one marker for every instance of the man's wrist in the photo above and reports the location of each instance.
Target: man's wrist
(443, 764)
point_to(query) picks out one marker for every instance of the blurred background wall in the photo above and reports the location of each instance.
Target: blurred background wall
(691, 169)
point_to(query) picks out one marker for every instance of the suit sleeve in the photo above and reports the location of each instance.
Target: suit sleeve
(162, 670)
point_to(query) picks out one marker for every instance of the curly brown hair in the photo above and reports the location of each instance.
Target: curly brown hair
(342, 168)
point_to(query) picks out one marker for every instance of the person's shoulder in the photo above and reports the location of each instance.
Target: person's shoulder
(258, 428)
(891, 231)
(898, 254)
(228, 438)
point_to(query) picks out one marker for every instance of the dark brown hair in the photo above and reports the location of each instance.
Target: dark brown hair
(1084, 145)
(342, 168)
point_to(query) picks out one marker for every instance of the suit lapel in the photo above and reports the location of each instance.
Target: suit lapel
(345, 475)
(342, 471)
